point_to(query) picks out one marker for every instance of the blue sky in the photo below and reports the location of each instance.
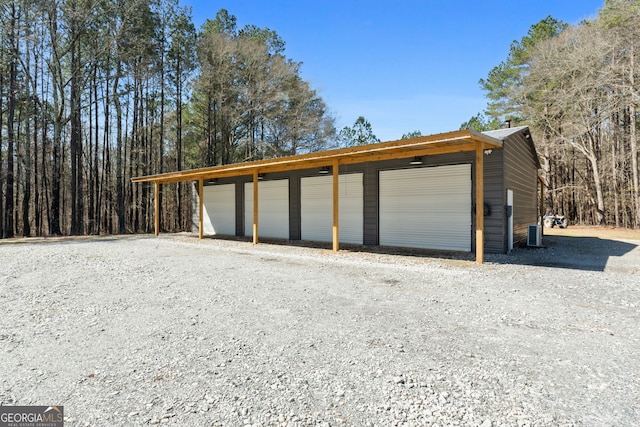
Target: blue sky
(404, 65)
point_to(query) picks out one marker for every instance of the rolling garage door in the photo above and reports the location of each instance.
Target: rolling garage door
(316, 199)
(219, 209)
(426, 208)
(273, 208)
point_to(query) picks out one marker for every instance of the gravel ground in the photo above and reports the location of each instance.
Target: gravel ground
(171, 330)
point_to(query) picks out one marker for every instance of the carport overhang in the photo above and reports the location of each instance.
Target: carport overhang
(444, 143)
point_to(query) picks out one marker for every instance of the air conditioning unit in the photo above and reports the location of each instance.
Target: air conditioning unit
(534, 236)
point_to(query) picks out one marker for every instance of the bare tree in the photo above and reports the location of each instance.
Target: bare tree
(570, 77)
(620, 19)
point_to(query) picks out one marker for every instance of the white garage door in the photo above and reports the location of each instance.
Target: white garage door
(219, 209)
(426, 208)
(316, 199)
(273, 209)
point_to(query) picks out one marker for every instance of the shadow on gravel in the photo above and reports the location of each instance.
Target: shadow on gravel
(578, 253)
(348, 247)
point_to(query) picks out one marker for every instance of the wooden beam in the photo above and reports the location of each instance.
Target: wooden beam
(156, 195)
(255, 207)
(479, 203)
(336, 199)
(200, 208)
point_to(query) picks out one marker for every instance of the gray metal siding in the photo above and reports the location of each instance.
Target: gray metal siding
(510, 167)
(521, 176)
(294, 208)
(239, 207)
(494, 197)
(371, 206)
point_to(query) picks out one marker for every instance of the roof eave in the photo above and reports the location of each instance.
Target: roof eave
(451, 142)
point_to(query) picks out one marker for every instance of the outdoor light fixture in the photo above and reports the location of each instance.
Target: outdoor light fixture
(324, 170)
(212, 181)
(416, 161)
(488, 151)
(260, 176)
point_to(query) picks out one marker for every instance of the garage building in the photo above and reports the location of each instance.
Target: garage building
(456, 191)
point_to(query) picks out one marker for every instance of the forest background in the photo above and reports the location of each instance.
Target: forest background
(95, 92)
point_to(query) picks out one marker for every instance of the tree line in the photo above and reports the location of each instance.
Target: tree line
(95, 92)
(576, 86)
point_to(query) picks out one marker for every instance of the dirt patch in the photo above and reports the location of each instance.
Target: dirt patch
(593, 231)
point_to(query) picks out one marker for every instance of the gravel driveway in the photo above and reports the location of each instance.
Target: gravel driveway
(176, 331)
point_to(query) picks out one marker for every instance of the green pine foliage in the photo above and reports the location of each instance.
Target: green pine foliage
(94, 93)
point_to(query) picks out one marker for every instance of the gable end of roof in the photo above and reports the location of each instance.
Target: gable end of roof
(504, 133)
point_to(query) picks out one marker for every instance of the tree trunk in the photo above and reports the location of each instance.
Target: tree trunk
(105, 192)
(614, 182)
(634, 165)
(26, 193)
(600, 210)
(94, 182)
(58, 113)
(119, 154)
(161, 137)
(54, 222)
(634, 141)
(77, 196)
(546, 168)
(2, 181)
(179, 142)
(11, 109)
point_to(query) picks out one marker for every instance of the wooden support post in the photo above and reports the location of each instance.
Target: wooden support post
(255, 207)
(336, 199)
(479, 203)
(156, 195)
(200, 208)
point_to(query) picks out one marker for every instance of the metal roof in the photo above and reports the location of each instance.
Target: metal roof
(504, 133)
(450, 142)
